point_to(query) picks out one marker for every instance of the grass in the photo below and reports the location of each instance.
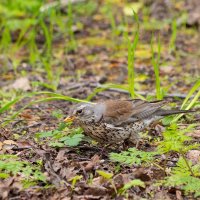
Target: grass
(155, 63)
(187, 103)
(50, 96)
(72, 44)
(131, 57)
(172, 42)
(11, 165)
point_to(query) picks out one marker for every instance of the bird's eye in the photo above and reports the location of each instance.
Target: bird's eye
(79, 111)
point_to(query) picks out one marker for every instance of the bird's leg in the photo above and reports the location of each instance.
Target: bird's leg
(137, 144)
(127, 143)
(102, 152)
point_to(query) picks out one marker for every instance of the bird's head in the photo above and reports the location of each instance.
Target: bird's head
(83, 112)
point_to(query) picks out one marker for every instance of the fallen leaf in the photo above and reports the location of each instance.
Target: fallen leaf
(194, 156)
(20, 84)
(179, 195)
(96, 191)
(194, 134)
(1, 145)
(162, 195)
(24, 145)
(94, 160)
(121, 179)
(9, 142)
(129, 8)
(166, 69)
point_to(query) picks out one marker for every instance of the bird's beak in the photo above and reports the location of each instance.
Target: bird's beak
(69, 119)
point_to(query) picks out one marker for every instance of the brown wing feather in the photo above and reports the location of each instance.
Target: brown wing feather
(146, 109)
(119, 111)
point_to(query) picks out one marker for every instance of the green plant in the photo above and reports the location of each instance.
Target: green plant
(34, 54)
(50, 96)
(182, 177)
(186, 105)
(62, 136)
(5, 40)
(172, 42)
(133, 183)
(75, 179)
(72, 45)
(175, 141)
(58, 114)
(121, 191)
(115, 31)
(107, 176)
(131, 57)
(10, 165)
(155, 63)
(17, 18)
(133, 156)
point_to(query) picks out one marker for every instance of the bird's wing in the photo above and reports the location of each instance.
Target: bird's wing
(121, 111)
(144, 109)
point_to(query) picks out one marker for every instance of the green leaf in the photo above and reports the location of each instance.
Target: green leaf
(9, 104)
(4, 175)
(72, 140)
(75, 179)
(190, 93)
(56, 144)
(45, 134)
(104, 174)
(196, 87)
(133, 183)
(182, 178)
(174, 140)
(132, 156)
(12, 166)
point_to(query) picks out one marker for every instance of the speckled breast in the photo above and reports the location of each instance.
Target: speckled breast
(106, 133)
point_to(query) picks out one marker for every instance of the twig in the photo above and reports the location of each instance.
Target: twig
(77, 86)
(144, 93)
(185, 159)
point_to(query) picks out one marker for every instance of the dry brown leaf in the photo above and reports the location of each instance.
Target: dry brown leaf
(9, 142)
(194, 134)
(162, 195)
(1, 145)
(24, 145)
(121, 179)
(94, 160)
(20, 84)
(96, 191)
(194, 156)
(179, 195)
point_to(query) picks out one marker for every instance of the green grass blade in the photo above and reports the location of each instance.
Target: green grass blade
(9, 104)
(155, 63)
(54, 97)
(172, 42)
(196, 87)
(131, 57)
(191, 92)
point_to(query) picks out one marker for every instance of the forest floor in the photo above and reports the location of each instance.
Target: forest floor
(38, 160)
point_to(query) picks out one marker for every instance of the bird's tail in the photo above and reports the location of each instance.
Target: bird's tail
(162, 112)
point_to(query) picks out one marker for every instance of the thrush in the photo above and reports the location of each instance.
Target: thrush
(114, 121)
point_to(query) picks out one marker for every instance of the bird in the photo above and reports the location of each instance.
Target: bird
(116, 121)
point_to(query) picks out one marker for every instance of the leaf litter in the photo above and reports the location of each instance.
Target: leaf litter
(83, 172)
